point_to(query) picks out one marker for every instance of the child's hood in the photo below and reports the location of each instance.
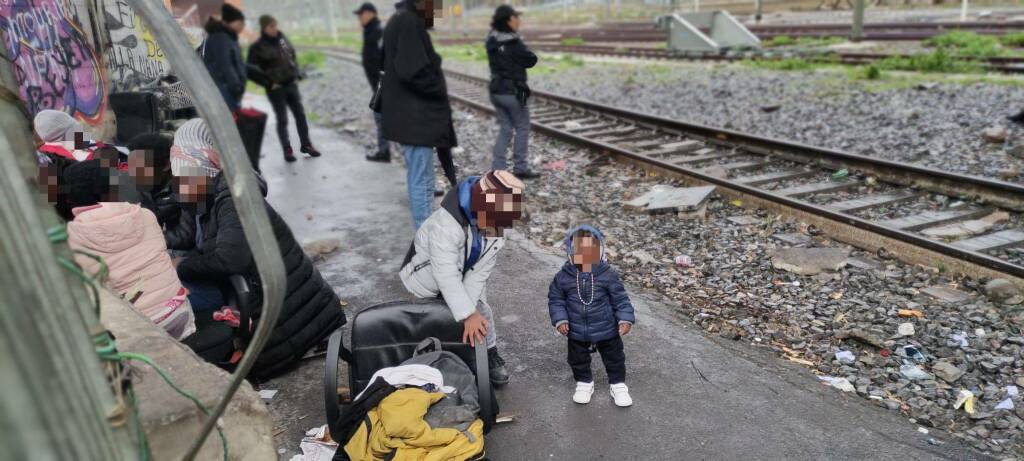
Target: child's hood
(601, 266)
(109, 227)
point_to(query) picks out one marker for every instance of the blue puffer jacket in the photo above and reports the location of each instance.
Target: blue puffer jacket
(599, 320)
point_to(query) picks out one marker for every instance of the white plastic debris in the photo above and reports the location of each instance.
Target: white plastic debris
(966, 399)
(1012, 391)
(979, 332)
(316, 446)
(684, 261)
(1006, 404)
(268, 394)
(922, 430)
(961, 338)
(914, 372)
(845, 357)
(905, 329)
(843, 384)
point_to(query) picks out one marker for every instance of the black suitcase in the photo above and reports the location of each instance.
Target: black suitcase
(136, 112)
(251, 126)
(385, 335)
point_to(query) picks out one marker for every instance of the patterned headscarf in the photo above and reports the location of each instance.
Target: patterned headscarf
(193, 153)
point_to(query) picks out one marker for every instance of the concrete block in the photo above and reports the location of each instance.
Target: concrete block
(810, 261)
(172, 422)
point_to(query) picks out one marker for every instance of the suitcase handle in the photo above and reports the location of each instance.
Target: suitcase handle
(335, 350)
(427, 345)
(483, 385)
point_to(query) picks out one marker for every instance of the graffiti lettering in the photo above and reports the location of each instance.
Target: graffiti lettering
(54, 64)
(134, 58)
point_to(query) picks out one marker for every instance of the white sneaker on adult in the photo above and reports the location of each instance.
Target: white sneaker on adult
(583, 393)
(620, 393)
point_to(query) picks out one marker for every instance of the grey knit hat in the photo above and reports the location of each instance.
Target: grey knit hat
(56, 126)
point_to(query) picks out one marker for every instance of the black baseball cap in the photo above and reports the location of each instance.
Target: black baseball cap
(365, 7)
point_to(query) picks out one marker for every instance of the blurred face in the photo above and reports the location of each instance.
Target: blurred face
(365, 17)
(428, 9)
(271, 29)
(237, 25)
(496, 211)
(193, 189)
(586, 252)
(513, 23)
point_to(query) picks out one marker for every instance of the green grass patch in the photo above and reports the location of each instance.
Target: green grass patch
(1015, 39)
(868, 72)
(311, 59)
(782, 64)
(939, 61)
(573, 41)
(313, 116)
(780, 40)
(463, 52)
(967, 44)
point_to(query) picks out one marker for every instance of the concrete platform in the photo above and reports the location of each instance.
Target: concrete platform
(747, 405)
(171, 421)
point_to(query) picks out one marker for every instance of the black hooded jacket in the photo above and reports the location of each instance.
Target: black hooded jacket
(373, 48)
(311, 310)
(414, 99)
(223, 58)
(274, 57)
(508, 58)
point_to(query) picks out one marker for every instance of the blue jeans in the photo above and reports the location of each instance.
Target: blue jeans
(382, 144)
(419, 177)
(514, 128)
(204, 296)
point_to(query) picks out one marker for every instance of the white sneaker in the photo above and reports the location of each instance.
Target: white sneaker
(620, 393)
(583, 393)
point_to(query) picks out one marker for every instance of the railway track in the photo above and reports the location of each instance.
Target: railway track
(647, 32)
(821, 186)
(1007, 65)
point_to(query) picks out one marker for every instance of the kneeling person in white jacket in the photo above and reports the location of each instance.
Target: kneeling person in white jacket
(455, 250)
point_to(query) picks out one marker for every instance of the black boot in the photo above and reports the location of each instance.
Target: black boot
(1017, 118)
(526, 174)
(309, 150)
(499, 374)
(383, 156)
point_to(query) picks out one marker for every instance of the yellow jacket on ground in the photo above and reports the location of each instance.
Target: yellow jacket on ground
(397, 425)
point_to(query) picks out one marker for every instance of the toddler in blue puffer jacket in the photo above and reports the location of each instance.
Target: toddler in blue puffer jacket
(588, 304)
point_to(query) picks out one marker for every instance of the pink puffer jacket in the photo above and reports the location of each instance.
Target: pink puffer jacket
(132, 245)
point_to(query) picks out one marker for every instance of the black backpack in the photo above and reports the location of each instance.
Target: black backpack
(388, 334)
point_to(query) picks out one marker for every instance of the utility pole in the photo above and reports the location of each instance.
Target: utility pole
(963, 10)
(757, 11)
(331, 18)
(858, 21)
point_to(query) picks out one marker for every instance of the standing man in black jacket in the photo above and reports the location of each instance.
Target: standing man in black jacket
(223, 56)
(414, 103)
(278, 71)
(509, 58)
(373, 48)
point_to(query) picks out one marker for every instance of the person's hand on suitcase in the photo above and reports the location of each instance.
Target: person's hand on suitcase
(563, 329)
(474, 328)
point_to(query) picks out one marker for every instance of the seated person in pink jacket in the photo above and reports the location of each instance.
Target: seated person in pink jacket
(130, 242)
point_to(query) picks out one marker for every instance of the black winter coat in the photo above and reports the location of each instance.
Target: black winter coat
(223, 59)
(160, 200)
(508, 58)
(373, 49)
(311, 310)
(414, 94)
(275, 60)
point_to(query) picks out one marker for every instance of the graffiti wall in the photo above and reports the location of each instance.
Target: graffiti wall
(55, 64)
(133, 57)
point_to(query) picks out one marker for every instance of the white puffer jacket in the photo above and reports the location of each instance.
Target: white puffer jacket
(435, 261)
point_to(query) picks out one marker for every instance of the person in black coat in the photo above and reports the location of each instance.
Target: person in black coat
(275, 67)
(415, 107)
(373, 48)
(218, 250)
(223, 56)
(509, 58)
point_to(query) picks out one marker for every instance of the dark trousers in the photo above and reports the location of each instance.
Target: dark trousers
(288, 97)
(612, 354)
(204, 296)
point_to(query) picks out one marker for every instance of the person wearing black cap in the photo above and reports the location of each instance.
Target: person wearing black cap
(415, 107)
(223, 56)
(277, 70)
(509, 58)
(373, 48)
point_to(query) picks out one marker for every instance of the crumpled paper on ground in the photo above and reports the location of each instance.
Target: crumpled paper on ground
(316, 445)
(966, 399)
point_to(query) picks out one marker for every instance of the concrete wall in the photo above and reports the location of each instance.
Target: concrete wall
(70, 54)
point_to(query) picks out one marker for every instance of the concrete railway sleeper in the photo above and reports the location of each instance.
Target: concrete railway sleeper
(805, 182)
